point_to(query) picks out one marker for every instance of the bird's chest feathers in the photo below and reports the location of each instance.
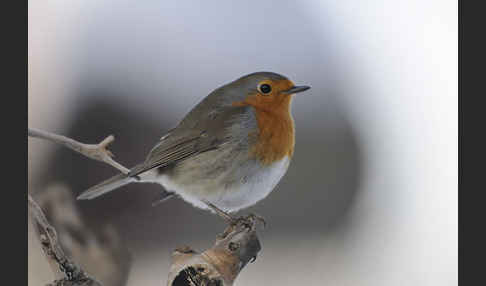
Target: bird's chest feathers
(274, 139)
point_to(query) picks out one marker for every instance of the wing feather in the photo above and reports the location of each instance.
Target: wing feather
(165, 154)
(203, 129)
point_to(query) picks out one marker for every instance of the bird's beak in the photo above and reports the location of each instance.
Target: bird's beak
(297, 89)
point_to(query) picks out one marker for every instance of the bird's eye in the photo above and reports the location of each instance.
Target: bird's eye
(265, 88)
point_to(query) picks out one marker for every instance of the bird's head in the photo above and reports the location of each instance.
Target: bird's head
(265, 91)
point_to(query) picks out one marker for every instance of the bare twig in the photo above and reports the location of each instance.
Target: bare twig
(53, 251)
(94, 151)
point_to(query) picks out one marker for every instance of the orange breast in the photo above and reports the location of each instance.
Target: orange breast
(275, 135)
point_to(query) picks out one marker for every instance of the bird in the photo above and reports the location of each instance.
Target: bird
(230, 150)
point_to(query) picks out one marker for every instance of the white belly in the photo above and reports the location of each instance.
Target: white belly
(235, 188)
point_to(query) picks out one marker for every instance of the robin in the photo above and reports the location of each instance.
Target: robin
(229, 151)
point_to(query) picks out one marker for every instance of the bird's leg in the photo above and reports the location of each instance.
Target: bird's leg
(248, 221)
(224, 215)
(164, 196)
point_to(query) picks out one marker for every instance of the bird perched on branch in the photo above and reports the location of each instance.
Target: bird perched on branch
(229, 151)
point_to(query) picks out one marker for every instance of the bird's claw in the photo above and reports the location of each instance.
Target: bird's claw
(248, 221)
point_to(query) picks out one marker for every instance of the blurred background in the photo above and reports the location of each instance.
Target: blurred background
(370, 197)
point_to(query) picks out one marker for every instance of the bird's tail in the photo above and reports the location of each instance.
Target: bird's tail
(106, 186)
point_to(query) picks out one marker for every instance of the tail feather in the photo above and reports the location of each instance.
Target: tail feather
(105, 187)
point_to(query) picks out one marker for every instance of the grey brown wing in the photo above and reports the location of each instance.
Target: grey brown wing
(191, 138)
(168, 151)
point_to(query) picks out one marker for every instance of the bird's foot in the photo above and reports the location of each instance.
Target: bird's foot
(247, 222)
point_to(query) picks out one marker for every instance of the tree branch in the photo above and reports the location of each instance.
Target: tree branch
(100, 251)
(220, 264)
(94, 151)
(74, 275)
